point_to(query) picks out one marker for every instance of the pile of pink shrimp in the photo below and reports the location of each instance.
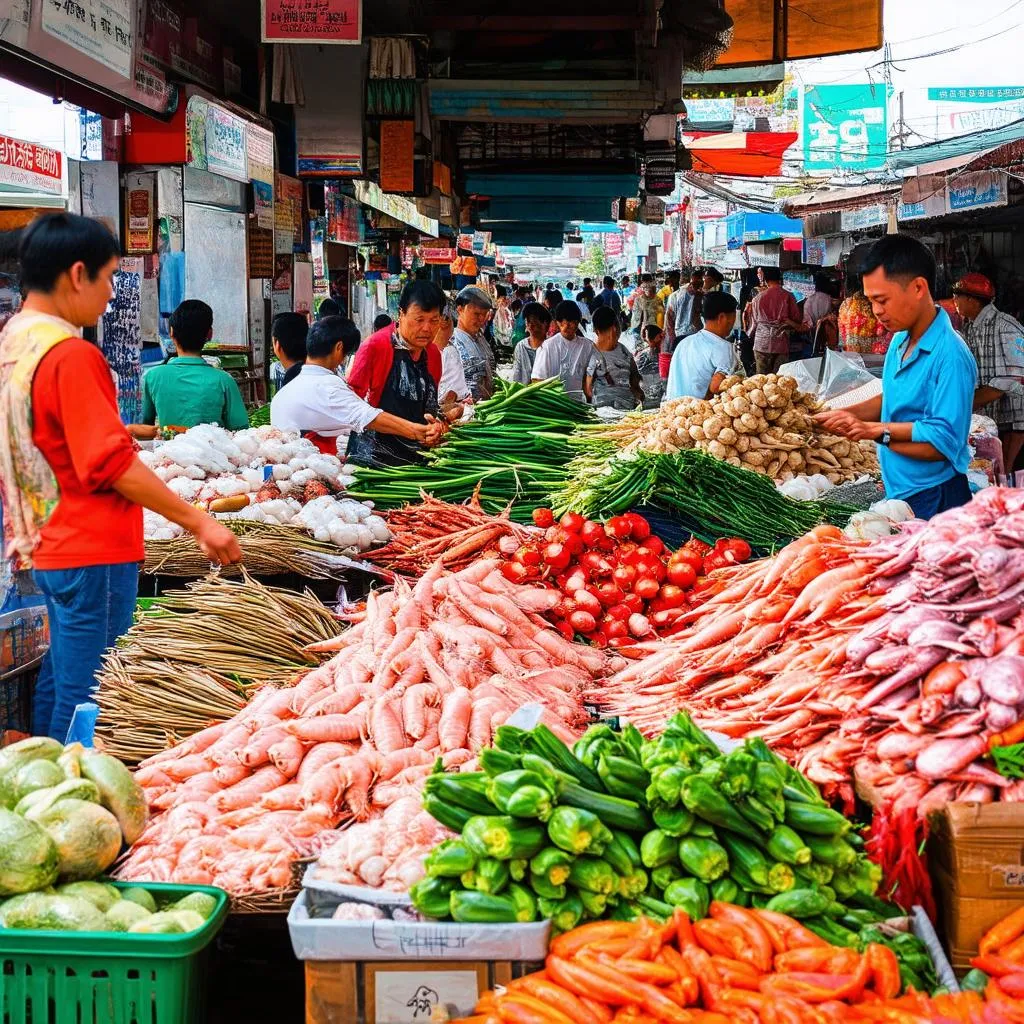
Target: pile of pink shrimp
(430, 671)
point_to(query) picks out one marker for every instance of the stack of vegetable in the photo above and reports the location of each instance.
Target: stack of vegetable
(709, 498)
(428, 672)
(737, 967)
(998, 969)
(761, 423)
(625, 826)
(614, 580)
(433, 530)
(65, 814)
(195, 655)
(514, 451)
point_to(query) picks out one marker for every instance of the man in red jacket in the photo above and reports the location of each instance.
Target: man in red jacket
(398, 371)
(72, 486)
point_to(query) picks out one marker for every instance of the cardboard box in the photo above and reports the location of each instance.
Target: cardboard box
(400, 992)
(976, 859)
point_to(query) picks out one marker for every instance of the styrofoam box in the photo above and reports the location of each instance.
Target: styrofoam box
(341, 892)
(326, 939)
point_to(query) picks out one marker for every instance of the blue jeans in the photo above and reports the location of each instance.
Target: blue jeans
(89, 608)
(952, 494)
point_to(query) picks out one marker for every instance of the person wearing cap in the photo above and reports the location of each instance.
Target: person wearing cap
(996, 341)
(474, 308)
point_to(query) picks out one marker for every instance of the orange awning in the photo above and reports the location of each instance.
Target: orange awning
(774, 30)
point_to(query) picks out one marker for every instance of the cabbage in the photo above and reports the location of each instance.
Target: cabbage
(28, 856)
(88, 838)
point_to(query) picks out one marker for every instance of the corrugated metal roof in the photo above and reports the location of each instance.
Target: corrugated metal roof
(825, 199)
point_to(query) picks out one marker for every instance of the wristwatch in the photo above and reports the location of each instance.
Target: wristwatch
(886, 437)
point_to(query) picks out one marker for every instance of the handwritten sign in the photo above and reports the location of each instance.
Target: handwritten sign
(24, 165)
(261, 252)
(413, 996)
(101, 29)
(225, 144)
(396, 156)
(138, 201)
(312, 21)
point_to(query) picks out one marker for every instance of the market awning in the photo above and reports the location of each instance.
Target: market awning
(744, 228)
(964, 145)
(829, 200)
(742, 154)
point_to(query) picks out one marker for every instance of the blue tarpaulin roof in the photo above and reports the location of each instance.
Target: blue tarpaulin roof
(760, 227)
(962, 145)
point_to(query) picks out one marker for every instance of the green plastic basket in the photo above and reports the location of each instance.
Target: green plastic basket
(108, 978)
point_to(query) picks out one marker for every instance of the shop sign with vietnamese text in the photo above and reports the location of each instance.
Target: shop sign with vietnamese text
(225, 144)
(24, 166)
(101, 29)
(312, 21)
(845, 127)
(976, 190)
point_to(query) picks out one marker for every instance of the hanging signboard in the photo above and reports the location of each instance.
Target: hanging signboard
(432, 255)
(312, 21)
(866, 217)
(288, 231)
(226, 144)
(344, 218)
(976, 93)
(259, 154)
(397, 144)
(844, 128)
(139, 204)
(369, 193)
(976, 190)
(24, 166)
(101, 29)
(928, 206)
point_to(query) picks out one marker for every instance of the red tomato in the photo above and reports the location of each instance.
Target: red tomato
(566, 630)
(606, 545)
(591, 532)
(654, 544)
(651, 567)
(698, 545)
(688, 556)
(595, 564)
(587, 602)
(610, 594)
(672, 596)
(529, 554)
(572, 522)
(576, 580)
(543, 517)
(619, 526)
(574, 543)
(646, 588)
(583, 622)
(624, 576)
(620, 611)
(639, 528)
(613, 628)
(634, 602)
(682, 574)
(514, 572)
(556, 556)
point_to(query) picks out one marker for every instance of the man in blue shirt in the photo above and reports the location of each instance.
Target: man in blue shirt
(923, 416)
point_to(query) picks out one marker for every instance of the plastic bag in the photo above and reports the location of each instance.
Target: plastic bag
(832, 375)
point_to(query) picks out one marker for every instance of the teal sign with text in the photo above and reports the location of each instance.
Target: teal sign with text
(845, 127)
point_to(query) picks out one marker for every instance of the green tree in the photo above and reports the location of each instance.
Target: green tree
(594, 263)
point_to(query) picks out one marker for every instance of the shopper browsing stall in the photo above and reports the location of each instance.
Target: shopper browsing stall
(648, 356)
(187, 390)
(922, 418)
(453, 387)
(474, 309)
(73, 488)
(566, 354)
(773, 316)
(321, 406)
(996, 341)
(682, 317)
(612, 378)
(647, 307)
(524, 356)
(701, 362)
(288, 336)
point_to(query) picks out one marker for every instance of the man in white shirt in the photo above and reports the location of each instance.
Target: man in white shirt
(565, 355)
(702, 361)
(321, 406)
(474, 309)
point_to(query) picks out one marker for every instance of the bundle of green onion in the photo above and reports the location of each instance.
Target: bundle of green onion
(708, 497)
(516, 448)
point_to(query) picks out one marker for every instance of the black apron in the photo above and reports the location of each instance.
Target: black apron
(409, 393)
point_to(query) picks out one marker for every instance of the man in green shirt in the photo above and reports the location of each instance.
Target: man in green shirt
(187, 390)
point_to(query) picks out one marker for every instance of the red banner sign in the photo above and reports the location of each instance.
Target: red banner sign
(312, 21)
(24, 165)
(445, 255)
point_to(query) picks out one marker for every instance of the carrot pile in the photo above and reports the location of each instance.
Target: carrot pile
(428, 672)
(737, 967)
(1001, 957)
(434, 529)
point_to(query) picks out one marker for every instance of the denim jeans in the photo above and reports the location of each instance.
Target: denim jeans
(930, 502)
(89, 608)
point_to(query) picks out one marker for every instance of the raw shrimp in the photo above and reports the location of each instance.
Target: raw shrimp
(247, 792)
(328, 728)
(286, 755)
(455, 717)
(414, 701)
(386, 728)
(257, 750)
(339, 702)
(397, 762)
(320, 755)
(284, 798)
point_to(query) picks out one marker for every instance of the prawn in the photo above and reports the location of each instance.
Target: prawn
(453, 728)
(286, 755)
(414, 702)
(256, 751)
(247, 792)
(284, 798)
(386, 728)
(399, 760)
(320, 755)
(229, 774)
(328, 728)
(340, 702)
